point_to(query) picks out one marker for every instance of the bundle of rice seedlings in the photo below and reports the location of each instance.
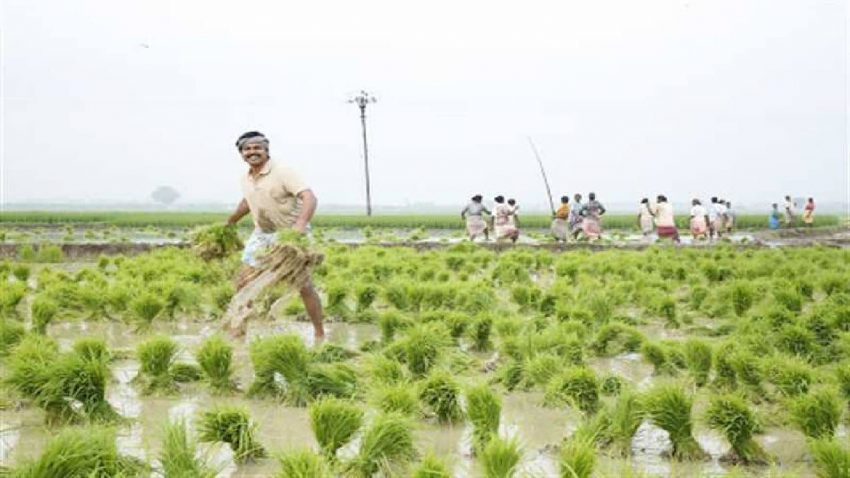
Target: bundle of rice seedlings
(82, 452)
(831, 459)
(215, 356)
(669, 408)
(389, 322)
(611, 385)
(157, 356)
(656, 354)
(730, 415)
(185, 372)
(540, 369)
(178, 455)
(440, 394)
(817, 413)
(625, 416)
(334, 423)
(329, 353)
(577, 458)
(791, 376)
(698, 357)
(10, 296)
(285, 355)
(328, 379)
(44, 310)
(842, 373)
(399, 398)
(420, 347)
(216, 241)
(384, 370)
(431, 466)
(577, 386)
(303, 464)
(11, 332)
(365, 294)
(146, 307)
(386, 443)
(500, 458)
(231, 425)
(480, 333)
(484, 408)
(743, 296)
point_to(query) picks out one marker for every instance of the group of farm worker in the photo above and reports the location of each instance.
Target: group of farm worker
(705, 222)
(503, 220)
(788, 217)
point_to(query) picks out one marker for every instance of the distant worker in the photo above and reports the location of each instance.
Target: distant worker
(665, 222)
(773, 220)
(645, 218)
(575, 216)
(731, 217)
(514, 213)
(790, 212)
(591, 222)
(699, 220)
(502, 224)
(716, 218)
(809, 213)
(560, 223)
(475, 224)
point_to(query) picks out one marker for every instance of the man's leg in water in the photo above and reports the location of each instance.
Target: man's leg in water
(313, 305)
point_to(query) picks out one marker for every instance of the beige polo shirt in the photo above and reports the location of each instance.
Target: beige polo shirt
(272, 196)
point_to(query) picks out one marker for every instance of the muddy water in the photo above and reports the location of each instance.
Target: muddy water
(538, 429)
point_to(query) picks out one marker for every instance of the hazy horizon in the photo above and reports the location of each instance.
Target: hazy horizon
(105, 101)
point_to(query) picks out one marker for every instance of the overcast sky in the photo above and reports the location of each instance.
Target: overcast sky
(746, 99)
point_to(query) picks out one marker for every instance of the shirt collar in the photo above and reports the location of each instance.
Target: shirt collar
(266, 170)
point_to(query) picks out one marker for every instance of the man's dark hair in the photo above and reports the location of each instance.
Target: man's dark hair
(511, 201)
(565, 199)
(499, 199)
(249, 134)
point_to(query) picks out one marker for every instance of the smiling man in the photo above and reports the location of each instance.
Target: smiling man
(277, 198)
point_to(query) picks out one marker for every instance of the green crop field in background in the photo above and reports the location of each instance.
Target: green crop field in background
(428, 221)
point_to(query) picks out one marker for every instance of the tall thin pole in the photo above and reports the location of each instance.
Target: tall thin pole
(361, 101)
(543, 173)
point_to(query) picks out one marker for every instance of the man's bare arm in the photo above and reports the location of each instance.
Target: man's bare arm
(308, 208)
(240, 212)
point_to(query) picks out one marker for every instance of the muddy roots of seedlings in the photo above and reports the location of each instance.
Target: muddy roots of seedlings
(440, 394)
(178, 456)
(500, 458)
(334, 423)
(484, 409)
(730, 415)
(232, 425)
(303, 464)
(386, 443)
(669, 408)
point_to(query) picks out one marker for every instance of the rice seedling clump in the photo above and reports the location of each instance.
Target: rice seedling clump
(730, 415)
(577, 459)
(157, 358)
(817, 413)
(500, 458)
(215, 356)
(669, 408)
(303, 464)
(231, 425)
(831, 458)
(334, 423)
(440, 394)
(386, 444)
(577, 386)
(484, 408)
(178, 456)
(431, 467)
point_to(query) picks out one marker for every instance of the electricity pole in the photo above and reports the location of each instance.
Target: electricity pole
(361, 101)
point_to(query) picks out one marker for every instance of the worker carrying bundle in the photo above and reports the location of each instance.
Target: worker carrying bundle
(281, 206)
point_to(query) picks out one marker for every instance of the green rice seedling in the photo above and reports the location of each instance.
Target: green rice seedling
(215, 356)
(420, 347)
(10, 296)
(92, 349)
(384, 370)
(231, 425)
(480, 330)
(330, 353)
(788, 297)
(577, 386)
(656, 354)
(698, 357)
(389, 322)
(386, 443)
(540, 369)
(669, 408)
(625, 415)
(730, 415)
(178, 456)
(44, 310)
(303, 464)
(400, 398)
(500, 458)
(611, 385)
(50, 253)
(614, 338)
(743, 296)
(577, 459)
(21, 272)
(156, 356)
(666, 308)
(146, 307)
(334, 423)
(831, 459)
(327, 379)
(440, 394)
(11, 333)
(365, 294)
(842, 373)
(185, 372)
(791, 376)
(216, 241)
(26, 253)
(30, 365)
(511, 374)
(484, 409)
(220, 296)
(82, 452)
(285, 355)
(817, 413)
(431, 466)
